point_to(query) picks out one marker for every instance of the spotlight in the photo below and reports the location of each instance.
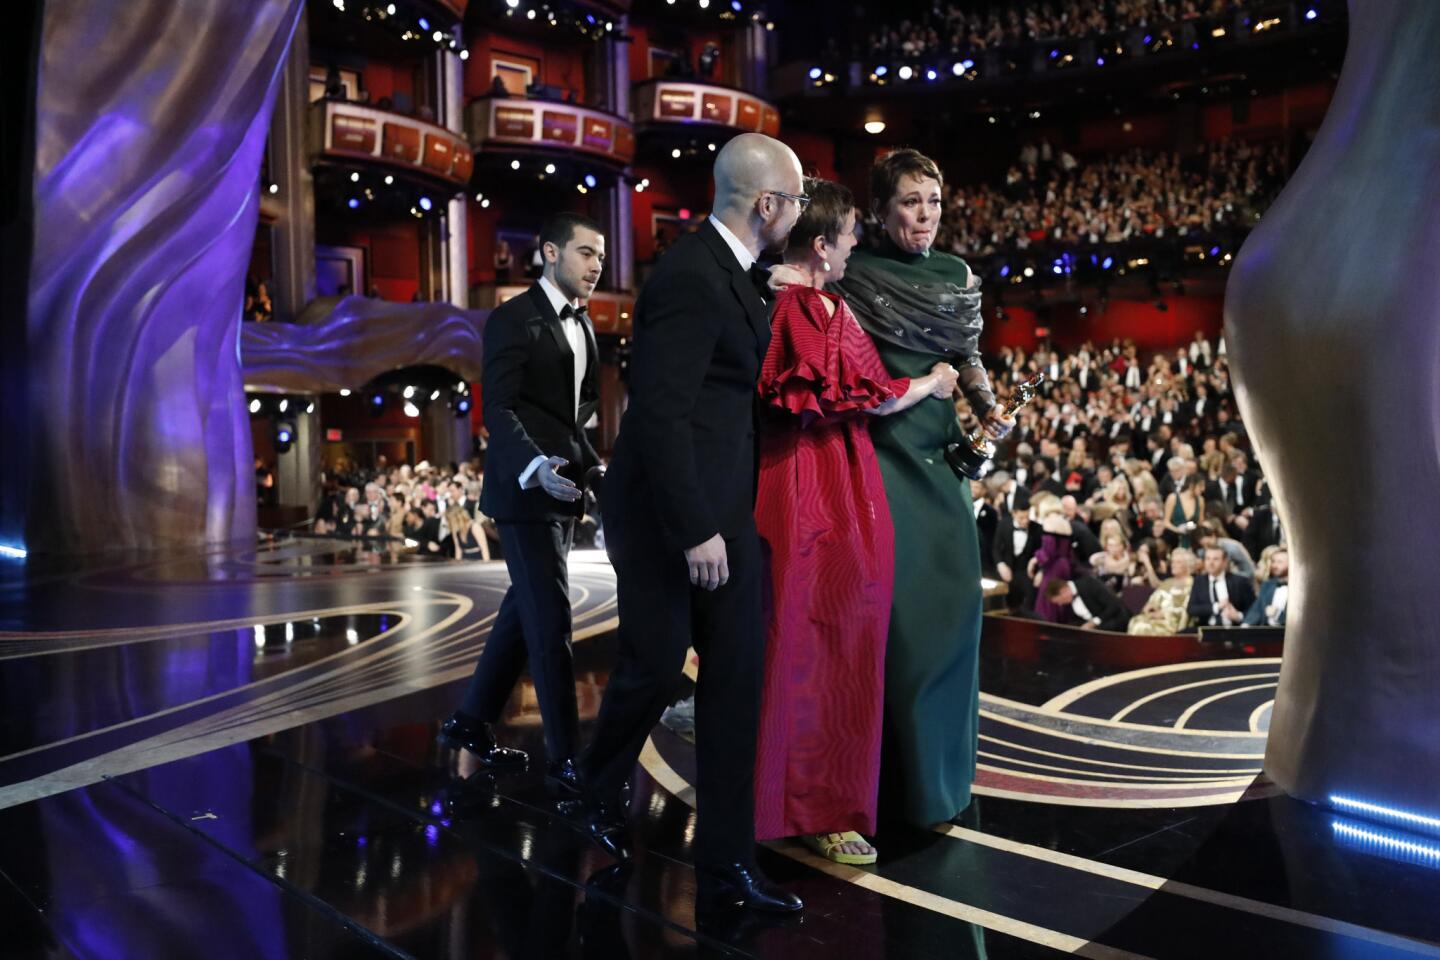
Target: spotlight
(711, 147)
(906, 73)
(390, 9)
(931, 74)
(435, 395)
(464, 54)
(875, 126)
(815, 73)
(1311, 14)
(1107, 263)
(1214, 251)
(425, 203)
(389, 179)
(968, 64)
(958, 69)
(376, 406)
(409, 392)
(1029, 271)
(1099, 61)
(675, 153)
(512, 4)
(581, 188)
(424, 24)
(352, 203)
(284, 437)
(1005, 271)
(355, 178)
(485, 204)
(411, 410)
(704, 4)
(274, 188)
(479, 197)
(310, 407)
(590, 180)
(735, 5)
(255, 405)
(437, 36)
(462, 406)
(284, 405)
(344, 392)
(514, 164)
(881, 70)
(529, 14)
(549, 168)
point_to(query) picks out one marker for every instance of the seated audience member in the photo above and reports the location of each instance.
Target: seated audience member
(1219, 598)
(1166, 611)
(1268, 610)
(1212, 534)
(1114, 566)
(467, 541)
(1089, 603)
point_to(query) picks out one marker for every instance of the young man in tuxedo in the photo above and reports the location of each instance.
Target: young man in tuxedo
(679, 522)
(540, 385)
(1093, 606)
(1219, 598)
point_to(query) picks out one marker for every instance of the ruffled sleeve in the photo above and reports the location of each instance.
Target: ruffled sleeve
(815, 367)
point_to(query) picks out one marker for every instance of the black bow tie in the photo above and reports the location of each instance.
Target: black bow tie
(760, 277)
(575, 312)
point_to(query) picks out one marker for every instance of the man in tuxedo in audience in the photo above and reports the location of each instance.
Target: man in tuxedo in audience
(541, 384)
(1218, 597)
(680, 530)
(1017, 537)
(1092, 605)
(1012, 494)
(1269, 608)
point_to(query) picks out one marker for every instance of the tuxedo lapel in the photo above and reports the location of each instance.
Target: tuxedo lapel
(757, 314)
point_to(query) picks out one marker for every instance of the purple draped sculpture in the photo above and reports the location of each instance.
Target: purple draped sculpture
(1333, 327)
(150, 123)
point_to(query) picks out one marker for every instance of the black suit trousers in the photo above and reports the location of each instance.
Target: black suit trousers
(661, 616)
(533, 624)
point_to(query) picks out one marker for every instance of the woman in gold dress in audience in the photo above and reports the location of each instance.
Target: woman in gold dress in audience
(1165, 612)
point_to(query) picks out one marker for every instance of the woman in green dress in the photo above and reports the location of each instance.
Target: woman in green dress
(921, 306)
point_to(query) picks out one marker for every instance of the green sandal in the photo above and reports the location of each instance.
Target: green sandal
(828, 846)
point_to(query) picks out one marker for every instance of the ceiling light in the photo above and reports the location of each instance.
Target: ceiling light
(875, 126)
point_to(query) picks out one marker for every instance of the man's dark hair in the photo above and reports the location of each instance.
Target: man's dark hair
(1054, 588)
(560, 228)
(824, 216)
(885, 176)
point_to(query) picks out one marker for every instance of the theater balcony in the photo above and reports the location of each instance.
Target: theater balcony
(665, 107)
(352, 134)
(505, 131)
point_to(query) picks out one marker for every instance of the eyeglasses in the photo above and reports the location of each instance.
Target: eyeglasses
(803, 201)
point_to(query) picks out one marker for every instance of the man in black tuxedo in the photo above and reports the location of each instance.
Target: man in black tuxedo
(1219, 598)
(1092, 605)
(1017, 537)
(679, 521)
(540, 386)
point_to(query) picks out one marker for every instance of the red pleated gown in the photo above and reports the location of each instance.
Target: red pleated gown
(830, 554)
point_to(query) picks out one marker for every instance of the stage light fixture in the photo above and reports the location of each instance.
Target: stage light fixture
(390, 9)
(675, 153)
(875, 126)
(958, 69)
(284, 404)
(968, 64)
(10, 552)
(352, 203)
(435, 395)
(464, 54)
(1004, 271)
(815, 73)
(355, 178)
(284, 437)
(704, 4)
(485, 204)
(1311, 14)
(409, 392)
(274, 189)
(389, 179)
(377, 403)
(255, 405)
(437, 36)
(514, 164)
(906, 73)
(411, 410)
(590, 180)
(1029, 271)
(310, 407)
(549, 168)
(881, 70)
(462, 406)
(344, 392)
(529, 14)
(581, 188)
(425, 203)
(735, 5)
(424, 24)
(931, 74)
(711, 147)
(1099, 61)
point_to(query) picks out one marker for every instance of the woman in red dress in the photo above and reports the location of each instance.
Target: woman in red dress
(829, 546)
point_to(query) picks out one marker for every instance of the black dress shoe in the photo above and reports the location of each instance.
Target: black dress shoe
(739, 885)
(563, 779)
(607, 829)
(458, 733)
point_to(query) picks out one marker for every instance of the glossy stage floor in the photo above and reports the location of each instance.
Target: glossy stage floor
(233, 757)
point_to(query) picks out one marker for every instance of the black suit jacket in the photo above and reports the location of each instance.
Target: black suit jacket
(685, 460)
(1242, 595)
(528, 393)
(1103, 603)
(1005, 545)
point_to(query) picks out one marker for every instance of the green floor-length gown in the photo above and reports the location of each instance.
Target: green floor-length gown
(932, 690)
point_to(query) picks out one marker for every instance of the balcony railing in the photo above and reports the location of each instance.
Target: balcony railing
(345, 131)
(660, 102)
(509, 123)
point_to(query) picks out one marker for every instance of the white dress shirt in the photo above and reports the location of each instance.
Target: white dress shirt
(742, 253)
(575, 337)
(1219, 593)
(1079, 608)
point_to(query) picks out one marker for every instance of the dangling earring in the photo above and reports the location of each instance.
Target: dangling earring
(825, 265)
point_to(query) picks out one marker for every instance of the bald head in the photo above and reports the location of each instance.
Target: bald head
(749, 165)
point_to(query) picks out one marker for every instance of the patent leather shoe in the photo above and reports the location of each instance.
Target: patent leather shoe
(734, 885)
(459, 733)
(563, 779)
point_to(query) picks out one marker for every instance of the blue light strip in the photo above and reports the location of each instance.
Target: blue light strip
(12, 553)
(1378, 811)
(1392, 846)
